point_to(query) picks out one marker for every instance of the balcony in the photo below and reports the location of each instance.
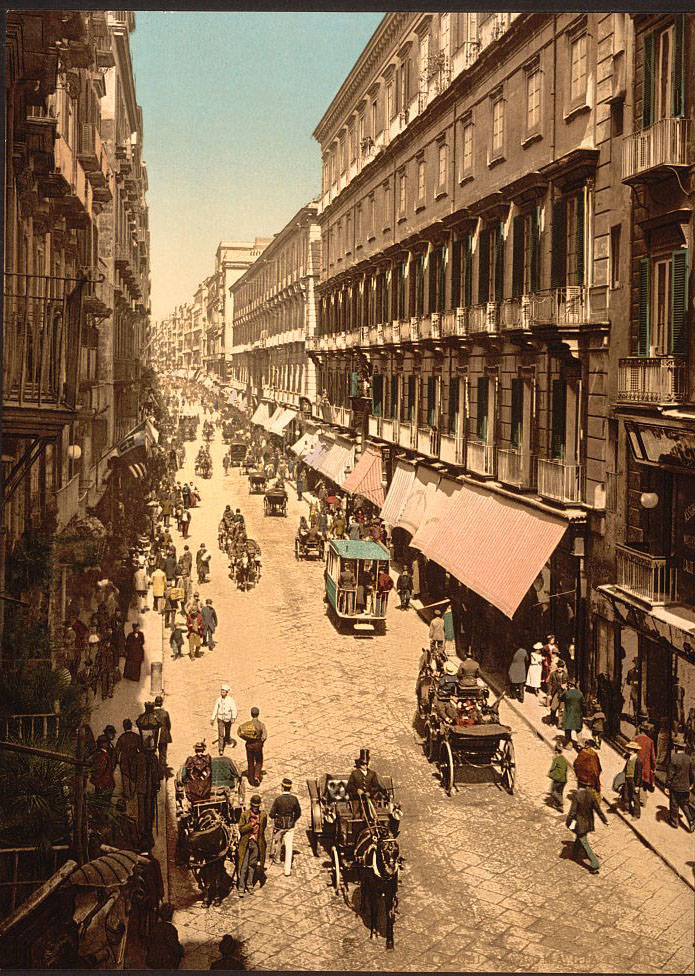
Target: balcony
(89, 149)
(648, 153)
(659, 379)
(559, 481)
(451, 449)
(428, 441)
(516, 467)
(480, 458)
(515, 313)
(67, 501)
(397, 330)
(560, 306)
(435, 331)
(483, 318)
(406, 434)
(650, 578)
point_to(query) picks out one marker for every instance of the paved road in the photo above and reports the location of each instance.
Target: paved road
(487, 883)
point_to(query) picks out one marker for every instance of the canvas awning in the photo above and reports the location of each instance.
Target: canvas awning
(420, 497)
(398, 492)
(261, 415)
(338, 457)
(305, 445)
(109, 870)
(436, 511)
(366, 479)
(494, 545)
(280, 419)
(314, 457)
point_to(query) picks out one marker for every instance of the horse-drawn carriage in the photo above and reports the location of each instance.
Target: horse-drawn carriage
(207, 825)
(257, 482)
(306, 544)
(361, 836)
(350, 579)
(203, 464)
(236, 453)
(208, 431)
(463, 729)
(188, 424)
(245, 564)
(275, 501)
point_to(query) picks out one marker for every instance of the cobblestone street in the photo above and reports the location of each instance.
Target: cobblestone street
(487, 883)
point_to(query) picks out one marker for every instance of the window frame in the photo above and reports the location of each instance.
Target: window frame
(442, 181)
(402, 194)
(496, 152)
(421, 170)
(466, 172)
(533, 130)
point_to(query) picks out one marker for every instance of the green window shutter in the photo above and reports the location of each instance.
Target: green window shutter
(468, 273)
(535, 251)
(456, 274)
(678, 72)
(559, 418)
(431, 401)
(499, 266)
(559, 253)
(648, 82)
(354, 384)
(481, 416)
(679, 303)
(394, 397)
(432, 277)
(378, 395)
(483, 266)
(580, 237)
(517, 410)
(518, 256)
(411, 396)
(453, 404)
(643, 321)
(441, 281)
(420, 310)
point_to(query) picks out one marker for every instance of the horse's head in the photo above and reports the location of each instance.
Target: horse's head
(387, 856)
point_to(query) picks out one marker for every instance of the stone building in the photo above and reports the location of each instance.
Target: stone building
(471, 197)
(274, 310)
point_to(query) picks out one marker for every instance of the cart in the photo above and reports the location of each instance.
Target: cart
(275, 502)
(257, 482)
(305, 547)
(237, 454)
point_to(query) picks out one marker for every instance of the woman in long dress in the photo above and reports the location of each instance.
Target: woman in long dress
(533, 676)
(134, 654)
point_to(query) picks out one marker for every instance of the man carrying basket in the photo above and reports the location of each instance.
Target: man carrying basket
(254, 734)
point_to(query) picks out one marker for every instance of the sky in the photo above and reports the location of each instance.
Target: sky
(229, 102)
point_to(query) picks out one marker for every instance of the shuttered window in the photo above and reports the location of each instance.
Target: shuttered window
(567, 266)
(411, 398)
(643, 320)
(517, 411)
(393, 400)
(484, 266)
(456, 274)
(499, 264)
(441, 279)
(354, 384)
(558, 419)
(467, 278)
(518, 256)
(679, 296)
(482, 408)
(453, 404)
(432, 401)
(378, 395)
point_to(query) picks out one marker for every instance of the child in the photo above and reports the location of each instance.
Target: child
(598, 726)
(558, 777)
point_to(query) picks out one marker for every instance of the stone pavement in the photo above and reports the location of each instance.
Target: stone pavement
(488, 884)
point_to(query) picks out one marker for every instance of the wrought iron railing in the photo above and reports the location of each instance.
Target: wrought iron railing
(655, 379)
(651, 578)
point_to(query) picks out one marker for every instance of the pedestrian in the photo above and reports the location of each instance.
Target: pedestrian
(209, 615)
(533, 676)
(517, 672)
(556, 684)
(140, 587)
(587, 767)
(224, 713)
(647, 757)
(194, 623)
(225, 464)
(284, 814)
(202, 562)
(254, 734)
(164, 951)
(384, 585)
(185, 562)
(159, 580)
(252, 845)
(580, 819)
(231, 955)
(633, 780)
(102, 770)
(558, 776)
(169, 564)
(354, 529)
(134, 653)
(436, 631)
(679, 781)
(550, 651)
(162, 716)
(300, 484)
(176, 637)
(185, 494)
(185, 522)
(598, 726)
(573, 700)
(128, 745)
(166, 511)
(404, 587)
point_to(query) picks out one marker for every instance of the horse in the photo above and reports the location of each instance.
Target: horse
(378, 859)
(205, 848)
(243, 566)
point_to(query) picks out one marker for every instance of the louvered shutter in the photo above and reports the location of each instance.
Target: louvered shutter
(558, 419)
(481, 416)
(648, 82)
(580, 236)
(517, 410)
(679, 303)
(643, 338)
(432, 401)
(432, 274)
(453, 404)
(535, 251)
(441, 282)
(678, 80)
(456, 274)
(468, 273)
(484, 266)
(518, 256)
(559, 254)
(499, 266)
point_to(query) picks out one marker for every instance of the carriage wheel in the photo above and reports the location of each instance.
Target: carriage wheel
(335, 857)
(430, 743)
(296, 548)
(446, 767)
(508, 765)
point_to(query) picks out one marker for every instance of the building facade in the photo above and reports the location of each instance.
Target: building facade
(274, 310)
(471, 216)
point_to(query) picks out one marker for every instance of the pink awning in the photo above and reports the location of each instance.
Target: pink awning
(494, 545)
(398, 492)
(366, 479)
(436, 511)
(419, 500)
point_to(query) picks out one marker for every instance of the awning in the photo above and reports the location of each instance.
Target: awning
(366, 479)
(280, 419)
(232, 396)
(421, 497)
(494, 545)
(398, 492)
(305, 445)
(109, 870)
(436, 511)
(261, 415)
(333, 464)
(315, 456)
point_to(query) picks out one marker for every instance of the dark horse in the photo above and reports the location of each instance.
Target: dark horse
(377, 856)
(204, 851)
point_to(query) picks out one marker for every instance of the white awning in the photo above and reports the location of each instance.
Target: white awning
(261, 415)
(339, 457)
(420, 497)
(304, 445)
(280, 419)
(398, 492)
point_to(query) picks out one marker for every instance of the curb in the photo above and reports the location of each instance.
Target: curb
(630, 823)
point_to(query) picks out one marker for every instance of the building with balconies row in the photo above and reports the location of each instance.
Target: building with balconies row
(643, 606)
(474, 222)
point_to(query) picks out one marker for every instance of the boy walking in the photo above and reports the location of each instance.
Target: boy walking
(558, 777)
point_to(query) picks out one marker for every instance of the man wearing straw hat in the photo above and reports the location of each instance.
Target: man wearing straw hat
(224, 712)
(633, 779)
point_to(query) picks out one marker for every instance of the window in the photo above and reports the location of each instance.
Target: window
(441, 171)
(517, 411)
(410, 399)
(343, 154)
(445, 33)
(490, 264)
(375, 119)
(353, 143)
(533, 99)
(663, 85)
(332, 163)
(387, 206)
(358, 225)
(390, 111)
(497, 127)
(466, 150)
(453, 412)
(662, 320)
(402, 193)
(481, 424)
(432, 413)
(615, 256)
(525, 254)
(377, 395)
(394, 399)
(360, 126)
(372, 216)
(578, 69)
(421, 182)
(568, 241)
(558, 419)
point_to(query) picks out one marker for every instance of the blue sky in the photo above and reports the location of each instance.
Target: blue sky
(229, 103)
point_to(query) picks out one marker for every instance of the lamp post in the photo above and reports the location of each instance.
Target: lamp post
(149, 728)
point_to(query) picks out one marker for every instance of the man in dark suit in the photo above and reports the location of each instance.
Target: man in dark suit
(363, 780)
(681, 777)
(584, 804)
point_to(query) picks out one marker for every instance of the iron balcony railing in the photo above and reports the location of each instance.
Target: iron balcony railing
(656, 379)
(560, 481)
(515, 313)
(483, 318)
(665, 143)
(452, 449)
(480, 457)
(651, 578)
(516, 467)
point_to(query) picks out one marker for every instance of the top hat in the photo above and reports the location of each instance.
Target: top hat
(363, 757)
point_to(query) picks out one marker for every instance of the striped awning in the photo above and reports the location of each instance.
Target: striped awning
(420, 497)
(494, 545)
(338, 457)
(314, 457)
(366, 479)
(261, 415)
(435, 512)
(280, 419)
(305, 445)
(398, 492)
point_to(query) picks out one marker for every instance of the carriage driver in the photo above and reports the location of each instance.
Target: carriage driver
(364, 780)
